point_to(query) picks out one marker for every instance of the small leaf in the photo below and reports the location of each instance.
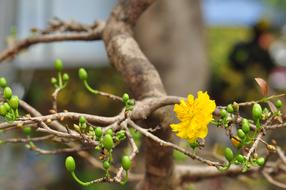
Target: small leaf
(272, 107)
(262, 85)
(274, 110)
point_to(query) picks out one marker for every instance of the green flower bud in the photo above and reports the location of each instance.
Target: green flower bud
(27, 131)
(245, 126)
(106, 165)
(70, 164)
(256, 111)
(3, 82)
(107, 142)
(194, 145)
(53, 80)
(98, 132)
(125, 97)
(3, 110)
(131, 102)
(120, 134)
(82, 74)
(7, 106)
(228, 154)
(97, 148)
(126, 162)
(260, 161)
(223, 113)
(235, 106)
(14, 102)
(58, 65)
(240, 134)
(240, 158)
(229, 108)
(109, 131)
(83, 126)
(278, 103)
(82, 120)
(7, 93)
(66, 77)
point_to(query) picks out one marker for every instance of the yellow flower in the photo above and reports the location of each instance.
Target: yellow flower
(194, 116)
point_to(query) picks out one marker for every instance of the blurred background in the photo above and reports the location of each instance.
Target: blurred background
(214, 45)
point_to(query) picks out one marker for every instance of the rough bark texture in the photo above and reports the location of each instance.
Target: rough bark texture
(171, 33)
(144, 81)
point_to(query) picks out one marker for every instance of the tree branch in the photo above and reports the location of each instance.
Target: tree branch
(20, 45)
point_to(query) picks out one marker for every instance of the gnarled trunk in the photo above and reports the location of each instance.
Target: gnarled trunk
(144, 82)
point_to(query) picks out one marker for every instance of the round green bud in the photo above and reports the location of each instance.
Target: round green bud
(109, 131)
(7, 93)
(131, 102)
(3, 82)
(194, 145)
(106, 165)
(126, 162)
(107, 142)
(235, 106)
(70, 164)
(223, 113)
(14, 102)
(27, 131)
(98, 132)
(125, 97)
(82, 74)
(228, 154)
(240, 134)
(7, 106)
(58, 65)
(66, 77)
(260, 161)
(256, 111)
(240, 158)
(53, 80)
(229, 108)
(3, 110)
(83, 126)
(245, 125)
(97, 148)
(278, 103)
(82, 120)
(120, 134)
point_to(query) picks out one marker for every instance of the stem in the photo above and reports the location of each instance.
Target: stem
(79, 181)
(125, 178)
(13, 114)
(257, 129)
(89, 87)
(97, 92)
(17, 113)
(60, 79)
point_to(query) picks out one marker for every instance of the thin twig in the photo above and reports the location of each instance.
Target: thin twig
(273, 181)
(59, 151)
(25, 140)
(174, 146)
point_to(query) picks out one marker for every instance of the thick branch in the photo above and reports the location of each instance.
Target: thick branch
(187, 174)
(125, 54)
(144, 81)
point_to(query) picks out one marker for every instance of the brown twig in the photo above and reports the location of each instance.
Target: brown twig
(146, 133)
(25, 140)
(48, 38)
(271, 180)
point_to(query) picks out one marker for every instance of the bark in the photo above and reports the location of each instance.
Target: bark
(144, 82)
(171, 33)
